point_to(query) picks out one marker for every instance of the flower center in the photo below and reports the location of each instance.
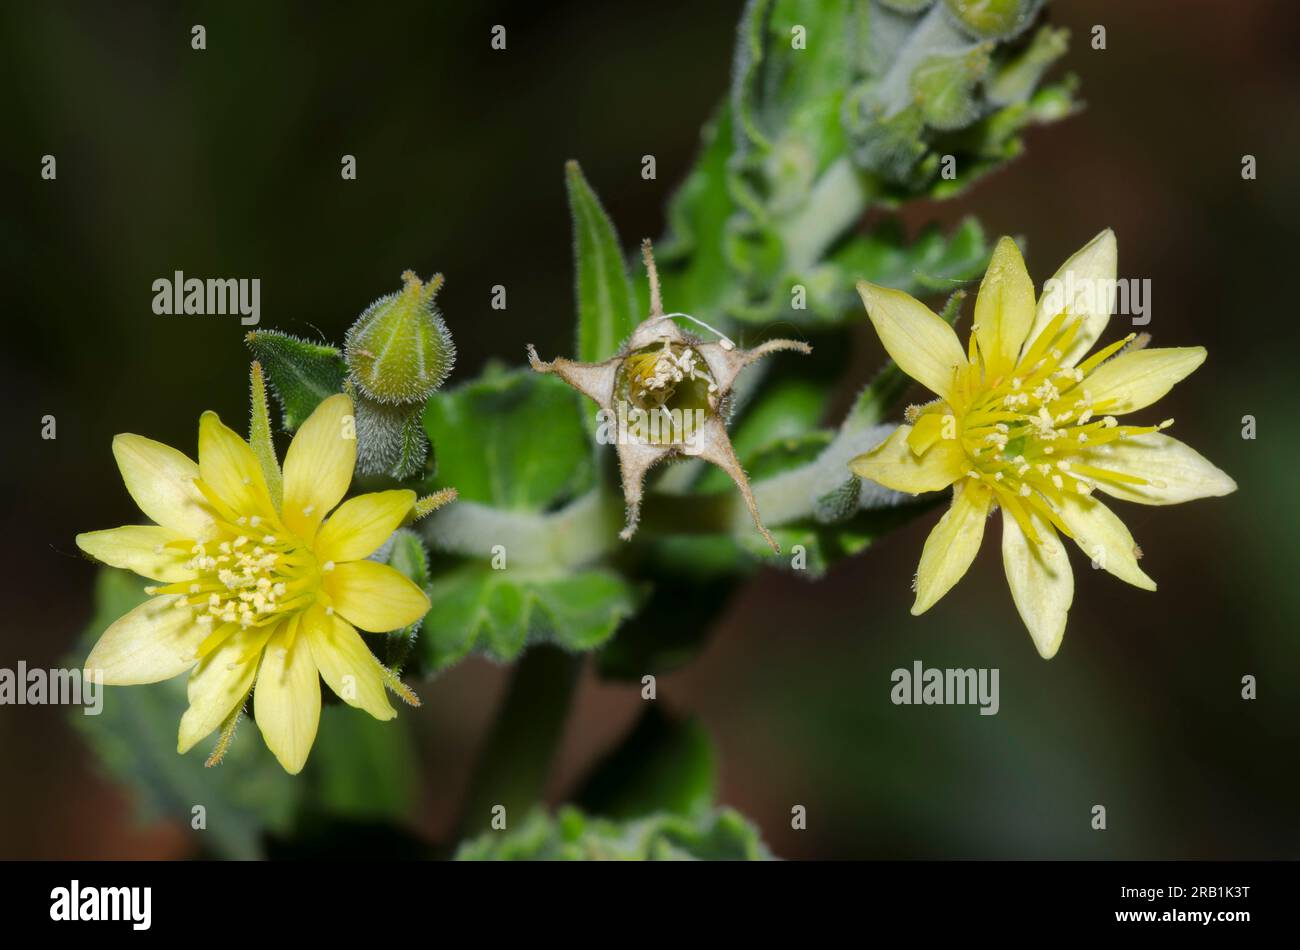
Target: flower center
(251, 575)
(1037, 434)
(660, 385)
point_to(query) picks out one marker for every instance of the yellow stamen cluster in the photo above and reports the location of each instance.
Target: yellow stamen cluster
(250, 576)
(1034, 433)
(654, 374)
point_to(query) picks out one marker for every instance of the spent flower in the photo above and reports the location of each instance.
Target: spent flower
(675, 391)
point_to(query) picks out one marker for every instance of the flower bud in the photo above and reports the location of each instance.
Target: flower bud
(399, 350)
(993, 19)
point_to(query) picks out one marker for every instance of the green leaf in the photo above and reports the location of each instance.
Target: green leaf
(134, 738)
(723, 835)
(605, 298)
(514, 440)
(498, 613)
(931, 262)
(781, 91)
(301, 373)
(662, 766)
(691, 257)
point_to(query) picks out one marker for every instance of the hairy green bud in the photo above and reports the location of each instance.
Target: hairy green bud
(399, 351)
(993, 19)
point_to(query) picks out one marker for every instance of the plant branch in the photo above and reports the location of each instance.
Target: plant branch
(516, 759)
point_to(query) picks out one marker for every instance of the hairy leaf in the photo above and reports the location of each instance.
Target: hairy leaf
(301, 373)
(605, 298)
(513, 440)
(723, 835)
(499, 612)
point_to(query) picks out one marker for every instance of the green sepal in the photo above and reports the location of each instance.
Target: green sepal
(259, 436)
(390, 438)
(301, 374)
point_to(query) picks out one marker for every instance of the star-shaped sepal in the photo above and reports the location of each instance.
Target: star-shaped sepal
(665, 395)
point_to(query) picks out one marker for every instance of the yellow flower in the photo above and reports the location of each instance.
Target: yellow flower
(1023, 422)
(256, 590)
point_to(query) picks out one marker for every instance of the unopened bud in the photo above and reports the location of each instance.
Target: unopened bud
(993, 19)
(399, 350)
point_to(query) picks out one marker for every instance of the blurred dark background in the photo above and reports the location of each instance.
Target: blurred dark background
(226, 162)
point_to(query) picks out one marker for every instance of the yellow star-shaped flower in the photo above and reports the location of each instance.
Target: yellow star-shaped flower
(257, 590)
(1025, 423)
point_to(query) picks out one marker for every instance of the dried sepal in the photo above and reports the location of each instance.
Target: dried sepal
(666, 394)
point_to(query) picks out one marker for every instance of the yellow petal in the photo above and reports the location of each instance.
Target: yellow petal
(346, 663)
(362, 524)
(318, 466)
(220, 683)
(161, 481)
(287, 699)
(153, 642)
(1042, 584)
(1175, 472)
(918, 339)
(952, 544)
(1134, 380)
(1085, 287)
(1103, 538)
(375, 597)
(931, 425)
(228, 466)
(893, 464)
(140, 548)
(1004, 309)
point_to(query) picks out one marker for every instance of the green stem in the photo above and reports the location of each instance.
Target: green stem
(516, 759)
(587, 530)
(838, 199)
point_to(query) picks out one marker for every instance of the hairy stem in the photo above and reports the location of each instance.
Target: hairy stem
(836, 202)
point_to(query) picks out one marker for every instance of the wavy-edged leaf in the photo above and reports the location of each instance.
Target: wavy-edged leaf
(515, 440)
(476, 609)
(722, 835)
